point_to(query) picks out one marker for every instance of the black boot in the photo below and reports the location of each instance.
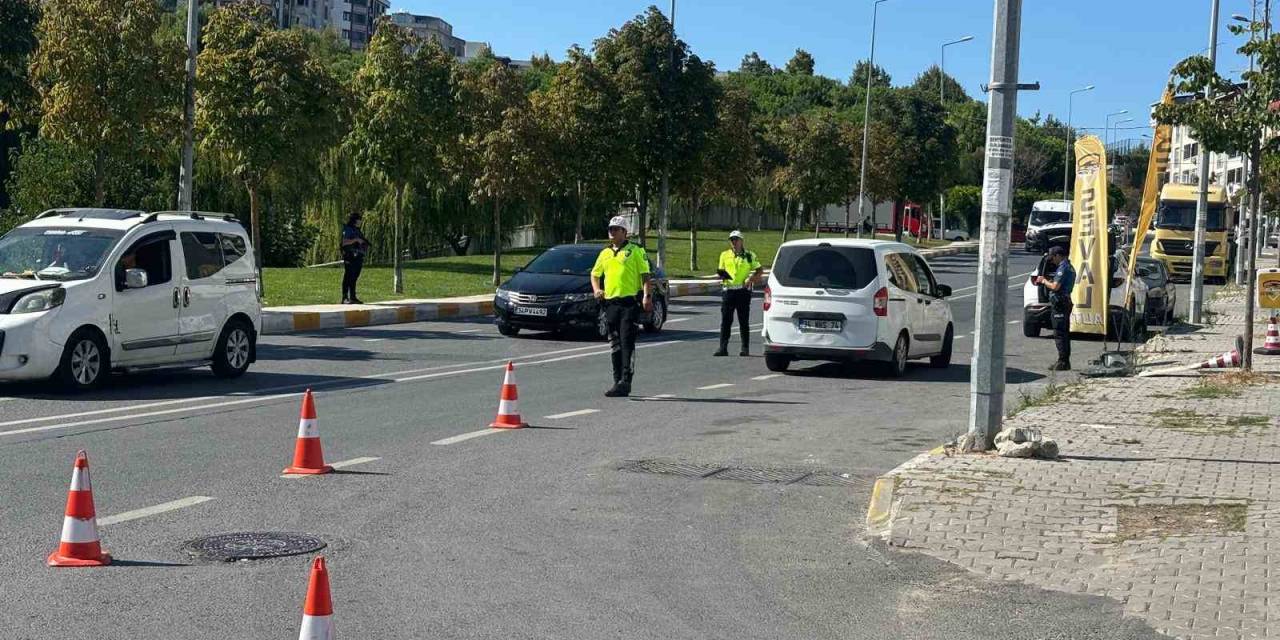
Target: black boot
(745, 351)
(1061, 365)
(722, 351)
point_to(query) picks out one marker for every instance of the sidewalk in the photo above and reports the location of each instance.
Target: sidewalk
(1167, 497)
(297, 319)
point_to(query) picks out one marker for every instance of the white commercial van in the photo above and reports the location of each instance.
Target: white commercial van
(84, 292)
(847, 300)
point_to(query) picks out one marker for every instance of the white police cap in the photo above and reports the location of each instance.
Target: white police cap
(619, 221)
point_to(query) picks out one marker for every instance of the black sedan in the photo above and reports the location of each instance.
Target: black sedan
(1162, 293)
(553, 293)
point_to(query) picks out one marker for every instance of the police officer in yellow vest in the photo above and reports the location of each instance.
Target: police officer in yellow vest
(739, 270)
(625, 271)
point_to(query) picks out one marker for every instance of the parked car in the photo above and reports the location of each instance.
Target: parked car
(1122, 322)
(956, 235)
(84, 292)
(553, 293)
(849, 300)
(1049, 225)
(1162, 293)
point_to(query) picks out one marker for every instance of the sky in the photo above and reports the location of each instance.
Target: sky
(1124, 48)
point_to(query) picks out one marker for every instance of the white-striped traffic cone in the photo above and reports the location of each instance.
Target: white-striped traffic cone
(317, 612)
(308, 457)
(1228, 360)
(79, 545)
(1271, 346)
(508, 412)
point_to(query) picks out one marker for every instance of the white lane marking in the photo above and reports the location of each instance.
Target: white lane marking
(657, 397)
(1012, 286)
(336, 465)
(1015, 322)
(375, 339)
(573, 414)
(768, 377)
(963, 335)
(469, 331)
(675, 320)
(151, 511)
(715, 386)
(1097, 426)
(467, 436)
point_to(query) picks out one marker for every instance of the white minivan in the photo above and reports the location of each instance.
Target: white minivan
(84, 292)
(848, 300)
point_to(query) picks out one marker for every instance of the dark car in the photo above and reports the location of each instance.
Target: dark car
(1162, 293)
(553, 293)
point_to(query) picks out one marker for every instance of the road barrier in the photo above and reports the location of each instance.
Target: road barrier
(508, 411)
(317, 611)
(308, 458)
(79, 545)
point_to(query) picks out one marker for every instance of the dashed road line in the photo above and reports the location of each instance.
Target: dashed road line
(675, 320)
(375, 339)
(709, 387)
(573, 414)
(154, 510)
(467, 436)
(336, 465)
(768, 377)
(1015, 322)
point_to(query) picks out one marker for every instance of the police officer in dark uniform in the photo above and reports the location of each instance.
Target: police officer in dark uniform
(624, 269)
(1060, 286)
(354, 247)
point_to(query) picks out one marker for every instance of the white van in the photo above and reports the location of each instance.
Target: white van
(84, 292)
(1048, 225)
(846, 300)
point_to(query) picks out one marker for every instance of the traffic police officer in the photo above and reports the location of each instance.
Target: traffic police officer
(738, 270)
(1060, 287)
(625, 271)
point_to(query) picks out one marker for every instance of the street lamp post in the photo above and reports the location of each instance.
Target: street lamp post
(1115, 127)
(942, 99)
(1106, 130)
(866, 126)
(185, 175)
(1066, 157)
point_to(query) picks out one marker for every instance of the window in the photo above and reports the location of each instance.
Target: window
(233, 248)
(359, 3)
(346, 35)
(924, 277)
(1235, 176)
(151, 254)
(1190, 150)
(825, 266)
(359, 18)
(203, 254)
(346, 15)
(901, 274)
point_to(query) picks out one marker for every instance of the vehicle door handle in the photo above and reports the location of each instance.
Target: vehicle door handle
(186, 296)
(175, 297)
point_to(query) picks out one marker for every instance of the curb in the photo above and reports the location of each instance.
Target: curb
(883, 508)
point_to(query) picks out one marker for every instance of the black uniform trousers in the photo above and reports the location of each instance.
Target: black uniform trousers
(735, 302)
(622, 318)
(1060, 319)
(352, 264)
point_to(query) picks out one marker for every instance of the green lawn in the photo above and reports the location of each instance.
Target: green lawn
(470, 275)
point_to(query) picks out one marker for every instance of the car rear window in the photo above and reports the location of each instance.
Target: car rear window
(827, 267)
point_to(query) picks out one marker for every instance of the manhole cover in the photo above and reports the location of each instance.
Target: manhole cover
(253, 545)
(673, 468)
(760, 476)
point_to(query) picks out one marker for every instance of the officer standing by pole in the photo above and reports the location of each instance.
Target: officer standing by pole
(1060, 287)
(625, 270)
(738, 271)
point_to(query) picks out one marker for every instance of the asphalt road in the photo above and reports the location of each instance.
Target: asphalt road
(440, 529)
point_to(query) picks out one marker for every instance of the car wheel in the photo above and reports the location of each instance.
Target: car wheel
(943, 360)
(1030, 329)
(657, 318)
(896, 367)
(508, 330)
(776, 362)
(234, 350)
(85, 361)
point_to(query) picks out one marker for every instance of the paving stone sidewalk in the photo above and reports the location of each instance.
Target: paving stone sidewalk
(1167, 498)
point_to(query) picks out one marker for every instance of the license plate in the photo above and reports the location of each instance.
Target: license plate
(821, 325)
(531, 311)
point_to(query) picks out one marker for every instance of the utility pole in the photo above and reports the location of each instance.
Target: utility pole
(866, 127)
(986, 396)
(1202, 204)
(666, 167)
(186, 178)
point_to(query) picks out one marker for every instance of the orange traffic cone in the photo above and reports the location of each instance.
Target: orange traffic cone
(1271, 346)
(79, 546)
(508, 414)
(317, 612)
(1228, 360)
(307, 456)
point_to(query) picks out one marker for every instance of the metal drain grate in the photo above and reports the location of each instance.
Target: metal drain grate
(752, 475)
(251, 545)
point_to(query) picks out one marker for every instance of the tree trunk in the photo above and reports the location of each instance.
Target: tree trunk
(582, 207)
(643, 222)
(99, 180)
(664, 218)
(817, 221)
(693, 235)
(848, 216)
(397, 277)
(786, 219)
(898, 214)
(255, 232)
(497, 241)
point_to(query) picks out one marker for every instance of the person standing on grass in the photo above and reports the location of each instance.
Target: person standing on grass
(354, 247)
(738, 270)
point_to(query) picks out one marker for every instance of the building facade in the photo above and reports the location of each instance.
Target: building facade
(431, 28)
(356, 20)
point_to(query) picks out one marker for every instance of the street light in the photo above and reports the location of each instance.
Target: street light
(1106, 129)
(866, 127)
(1066, 157)
(1115, 126)
(942, 99)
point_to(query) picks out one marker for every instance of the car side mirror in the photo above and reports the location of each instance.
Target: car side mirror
(944, 291)
(135, 278)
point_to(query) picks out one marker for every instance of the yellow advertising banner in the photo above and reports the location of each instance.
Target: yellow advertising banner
(1157, 169)
(1089, 239)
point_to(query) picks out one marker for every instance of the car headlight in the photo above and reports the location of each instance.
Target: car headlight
(577, 297)
(504, 294)
(40, 301)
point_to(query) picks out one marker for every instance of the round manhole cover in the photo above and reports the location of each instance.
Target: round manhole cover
(253, 545)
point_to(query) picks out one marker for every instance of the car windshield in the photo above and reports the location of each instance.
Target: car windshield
(1040, 218)
(825, 267)
(569, 261)
(1155, 273)
(55, 253)
(1182, 216)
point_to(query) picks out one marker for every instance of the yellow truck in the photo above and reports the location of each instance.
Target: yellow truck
(1175, 228)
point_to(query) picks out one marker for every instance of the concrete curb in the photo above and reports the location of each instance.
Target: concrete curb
(286, 320)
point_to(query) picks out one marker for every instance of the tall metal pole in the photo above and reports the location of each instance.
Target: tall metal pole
(186, 176)
(986, 398)
(866, 125)
(942, 99)
(666, 168)
(1202, 204)
(1066, 157)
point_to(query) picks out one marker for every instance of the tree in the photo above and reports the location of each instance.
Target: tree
(925, 141)
(405, 118)
(725, 167)
(927, 84)
(18, 21)
(818, 160)
(879, 77)
(262, 102)
(752, 63)
(800, 64)
(107, 85)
